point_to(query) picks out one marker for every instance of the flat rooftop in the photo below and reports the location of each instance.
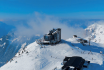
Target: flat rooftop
(74, 61)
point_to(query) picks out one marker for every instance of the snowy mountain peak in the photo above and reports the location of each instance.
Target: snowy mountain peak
(96, 32)
(48, 57)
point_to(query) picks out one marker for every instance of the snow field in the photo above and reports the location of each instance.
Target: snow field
(52, 56)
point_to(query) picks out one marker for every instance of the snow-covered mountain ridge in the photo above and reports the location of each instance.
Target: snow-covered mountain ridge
(96, 33)
(33, 57)
(10, 44)
(52, 56)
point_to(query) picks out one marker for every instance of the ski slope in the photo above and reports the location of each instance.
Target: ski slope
(51, 56)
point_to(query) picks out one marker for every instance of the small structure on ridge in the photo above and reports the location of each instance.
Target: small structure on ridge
(74, 63)
(74, 36)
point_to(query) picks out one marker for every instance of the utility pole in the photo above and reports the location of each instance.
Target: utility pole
(89, 41)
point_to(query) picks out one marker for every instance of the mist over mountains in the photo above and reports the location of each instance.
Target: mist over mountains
(11, 47)
(5, 28)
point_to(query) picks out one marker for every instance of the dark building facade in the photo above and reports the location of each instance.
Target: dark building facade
(74, 36)
(73, 63)
(53, 37)
(82, 41)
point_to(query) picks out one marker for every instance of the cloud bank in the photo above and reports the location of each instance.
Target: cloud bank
(41, 24)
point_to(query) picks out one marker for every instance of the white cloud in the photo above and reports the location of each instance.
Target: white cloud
(41, 24)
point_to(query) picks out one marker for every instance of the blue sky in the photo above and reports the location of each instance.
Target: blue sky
(28, 15)
(81, 9)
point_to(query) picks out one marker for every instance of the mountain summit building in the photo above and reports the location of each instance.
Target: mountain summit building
(53, 37)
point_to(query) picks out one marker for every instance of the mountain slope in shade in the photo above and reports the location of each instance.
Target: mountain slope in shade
(11, 44)
(5, 28)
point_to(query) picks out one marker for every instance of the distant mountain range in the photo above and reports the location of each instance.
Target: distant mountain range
(10, 44)
(5, 28)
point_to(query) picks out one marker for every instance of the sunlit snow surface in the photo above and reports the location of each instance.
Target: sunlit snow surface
(52, 56)
(96, 33)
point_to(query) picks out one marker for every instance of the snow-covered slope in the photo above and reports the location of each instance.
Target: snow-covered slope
(96, 33)
(33, 57)
(11, 44)
(51, 56)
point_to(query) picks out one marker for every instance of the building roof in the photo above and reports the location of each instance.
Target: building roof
(75, 35)
(75, 61)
